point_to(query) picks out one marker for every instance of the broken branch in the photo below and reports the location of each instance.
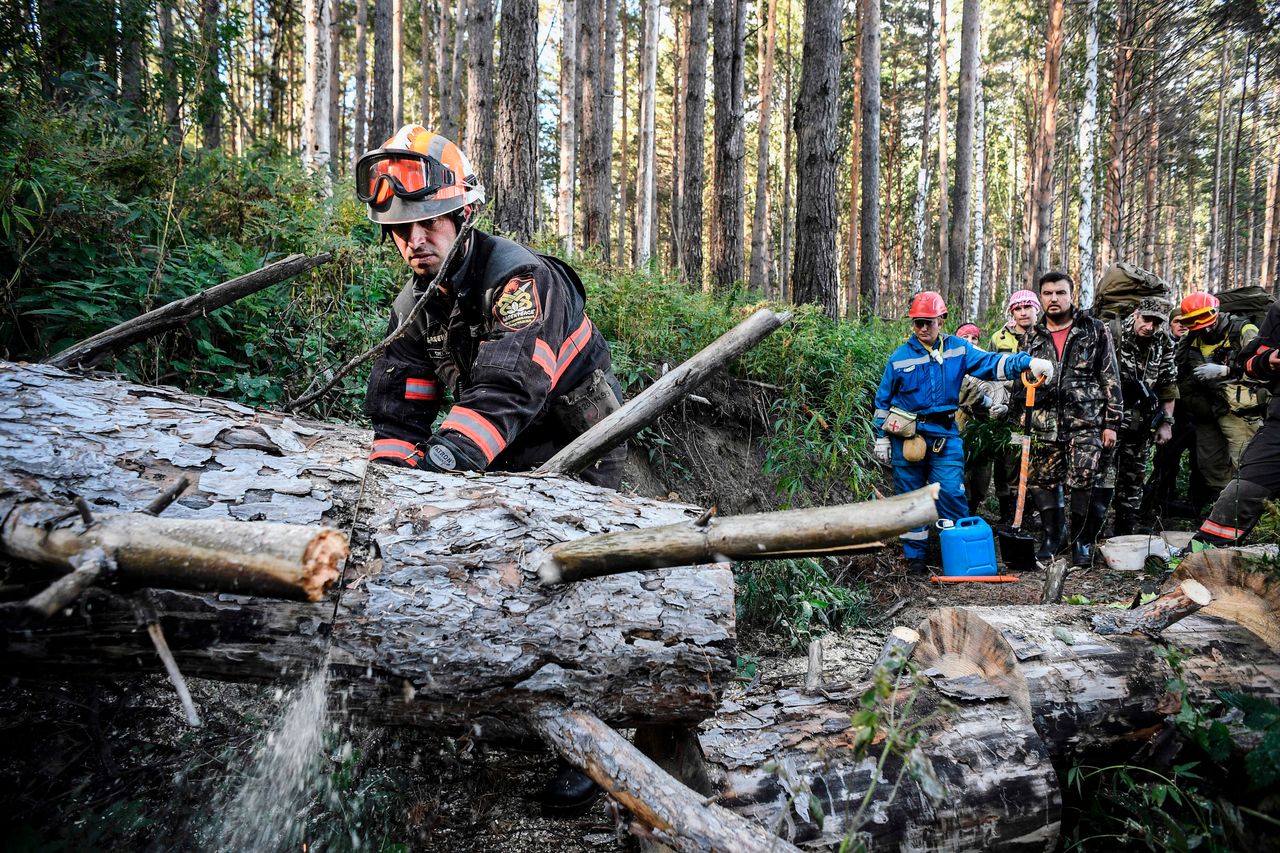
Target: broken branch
(91, 351)
(649, 404)
(1154, 616)
(87, 567)
(758, 536)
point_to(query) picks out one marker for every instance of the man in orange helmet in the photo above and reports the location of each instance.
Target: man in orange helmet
(502, 331)
(916, 405)
(1224, 404)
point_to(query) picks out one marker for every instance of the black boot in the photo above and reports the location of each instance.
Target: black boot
(1086, 525)
(1050, 504)
(1008, 506)
(569, 793)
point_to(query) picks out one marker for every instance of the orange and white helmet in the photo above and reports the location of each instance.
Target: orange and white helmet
(416, 174)
(1199, 310)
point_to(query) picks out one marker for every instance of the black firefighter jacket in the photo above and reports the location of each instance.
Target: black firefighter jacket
(507, 340)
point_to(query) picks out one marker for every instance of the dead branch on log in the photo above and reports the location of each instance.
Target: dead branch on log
(681, 815)
(758, 536)
(896, 651)
(87, 566)
(178, 313)
(649, 404)
(1154, 616)
(377, 349)
(813, 673)
(260, 558)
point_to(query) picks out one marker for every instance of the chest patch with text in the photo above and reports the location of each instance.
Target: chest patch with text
(518, 304)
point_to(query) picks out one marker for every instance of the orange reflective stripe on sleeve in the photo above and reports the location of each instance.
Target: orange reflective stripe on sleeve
(1264, 353)
(544, 357)
(476, 427)
(420, 389)
(1220, 530)
(570, 349)
(394, 448)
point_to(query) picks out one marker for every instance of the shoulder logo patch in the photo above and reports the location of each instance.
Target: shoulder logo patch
(518, 305)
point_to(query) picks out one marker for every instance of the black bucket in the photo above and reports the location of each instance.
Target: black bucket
(1017, 549)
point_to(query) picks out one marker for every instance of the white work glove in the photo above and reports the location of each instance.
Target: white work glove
(1042, 367)
(1209, 372)
(998, 411)
(881, 450)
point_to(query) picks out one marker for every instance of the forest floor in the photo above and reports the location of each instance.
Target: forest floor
(103, 764)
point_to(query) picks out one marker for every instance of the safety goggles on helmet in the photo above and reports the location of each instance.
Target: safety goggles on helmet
(1199, 319)
(387, 173)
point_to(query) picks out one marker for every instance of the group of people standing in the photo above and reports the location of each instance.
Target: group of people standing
(1191, 379)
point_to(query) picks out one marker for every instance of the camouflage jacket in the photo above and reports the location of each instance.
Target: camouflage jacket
(1148, 376)
(1084, 395)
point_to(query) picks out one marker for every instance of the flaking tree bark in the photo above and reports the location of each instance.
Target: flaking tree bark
(869, 262)
(816, 262)
(380, 121)
(760, 260)
(568, 124)
(695, 122)
(728, 210)
(962, 193)
(480, 131)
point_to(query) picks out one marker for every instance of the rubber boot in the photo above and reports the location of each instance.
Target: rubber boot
(569, 793)
(1050, 504)
(1086, 525)
(1008, 506)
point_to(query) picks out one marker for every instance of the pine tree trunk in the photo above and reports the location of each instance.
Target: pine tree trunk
(210, 100)
(1229, 264)
(729, 179)
(787, 286)
(922, 172)
(430, 21)
(133, 41)
(516, 172)
(959, 243)
(445, 108)
(1151, 206)
(648, 107)
(1041, 229)
(317, 60)
(168, 50)
(381, 121)
(360, 122)
(480, 132)
(869, 258)
(1267, 274)
(625, 165)
(855, 175)
(568, 125)
(816, 270)
(695, 123)
(944, 216)
(597, 124)
(397, 64)
(335, 88)
(1085, 146)
(1121, 81)
(760, 262)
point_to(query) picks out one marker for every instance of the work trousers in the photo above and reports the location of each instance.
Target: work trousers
(1162, 488)
(1219, 446)
(1074, 460)
(943, 463)
(1129, 461)
(1241, 503)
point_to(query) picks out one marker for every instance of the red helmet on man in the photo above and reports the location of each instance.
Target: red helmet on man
(416, 174)
(1199, 311)
(927, 304)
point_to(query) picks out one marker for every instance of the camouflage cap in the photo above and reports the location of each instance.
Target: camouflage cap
(1155, 308)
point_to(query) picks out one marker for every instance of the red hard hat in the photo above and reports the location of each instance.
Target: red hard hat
(927, 303)
(1199, 310)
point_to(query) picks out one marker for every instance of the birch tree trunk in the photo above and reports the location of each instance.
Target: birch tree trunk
(869, 259)
(816, 268)
(645, 183)
(978, 292)
(317, 63)
(516, 172)
(922, 173)
(383, 114)
(1215, 218)
(959, 246)
(568, 124)
(728, 212)
(944, 216)
(1041, 230)
(1085, 145)
(760, 261)
(480, 131)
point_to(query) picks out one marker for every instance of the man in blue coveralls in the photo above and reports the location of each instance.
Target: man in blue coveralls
(923, 379)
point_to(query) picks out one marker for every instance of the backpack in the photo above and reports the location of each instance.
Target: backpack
(1122, 287)
(1252, 302)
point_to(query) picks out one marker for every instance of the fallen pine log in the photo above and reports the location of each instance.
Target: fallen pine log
(1088, 692)
(440, 618)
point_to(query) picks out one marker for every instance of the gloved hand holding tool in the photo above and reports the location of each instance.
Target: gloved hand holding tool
(1025, 465)
(1210, 371)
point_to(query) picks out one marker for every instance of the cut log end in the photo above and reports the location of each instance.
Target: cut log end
(320, 563)
(1249, 598)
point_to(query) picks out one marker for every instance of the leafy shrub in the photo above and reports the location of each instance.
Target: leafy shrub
(797, 598)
